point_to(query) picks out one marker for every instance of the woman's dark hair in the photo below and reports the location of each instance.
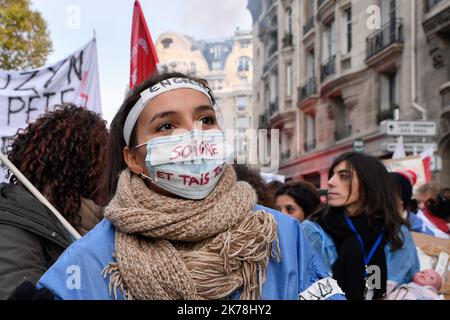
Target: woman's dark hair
(274, 185)
(439, 204)
(303, 193)
(117, 142)
(244, 173)
(63, 154)
(377, 194)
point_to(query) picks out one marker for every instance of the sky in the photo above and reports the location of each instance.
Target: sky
(72, 23)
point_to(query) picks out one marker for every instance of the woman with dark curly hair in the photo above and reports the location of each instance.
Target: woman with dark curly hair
(63, 154)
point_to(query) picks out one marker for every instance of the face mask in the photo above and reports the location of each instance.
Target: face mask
(188, 165)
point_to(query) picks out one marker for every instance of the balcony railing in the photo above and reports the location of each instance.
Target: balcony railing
(310, 145)
(272, 49)
(273, 107)
(308, 25)
(390, 33)
(308, 89)
(328, 68)
(429, 4)
(343, 132)
(320, 2)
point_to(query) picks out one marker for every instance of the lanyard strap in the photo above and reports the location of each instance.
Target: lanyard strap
(361, 242)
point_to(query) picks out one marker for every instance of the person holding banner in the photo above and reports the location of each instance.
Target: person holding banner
(359, 232)
(180, 226)
(63, 155)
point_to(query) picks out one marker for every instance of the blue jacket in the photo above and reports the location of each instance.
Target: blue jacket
(418, 225)
(77, 273)
(401, 264)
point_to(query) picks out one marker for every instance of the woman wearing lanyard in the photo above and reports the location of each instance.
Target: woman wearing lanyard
(178, 229)
(359, 233)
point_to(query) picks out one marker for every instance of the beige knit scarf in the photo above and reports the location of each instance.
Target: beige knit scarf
(168, 248)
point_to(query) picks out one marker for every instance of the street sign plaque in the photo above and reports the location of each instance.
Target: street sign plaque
(409, 147)
(409, 128)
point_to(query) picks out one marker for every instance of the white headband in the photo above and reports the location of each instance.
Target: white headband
(157, 89)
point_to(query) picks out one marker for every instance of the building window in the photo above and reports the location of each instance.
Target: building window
(310, 65)
(244, 64)
(388, 11)
(166, 42)
(347, 27)
(193, 68)
(310, 132)
(242, 123)
(328, 42)
(342, 115)
(241, 103)
(289, 80)
(244, 43)
(216, 65)
(288, 21)
(389, 91)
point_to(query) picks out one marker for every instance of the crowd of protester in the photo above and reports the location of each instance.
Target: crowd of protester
(156, 227)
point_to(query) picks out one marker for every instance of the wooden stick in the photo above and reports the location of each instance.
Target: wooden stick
(39, 196)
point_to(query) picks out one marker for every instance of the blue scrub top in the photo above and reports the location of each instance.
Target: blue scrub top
(401, 264)
(300, 274)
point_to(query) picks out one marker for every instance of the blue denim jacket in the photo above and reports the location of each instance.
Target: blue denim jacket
(402, 263)
(299, 274)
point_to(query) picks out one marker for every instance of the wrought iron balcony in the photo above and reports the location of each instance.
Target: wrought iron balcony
(390, 33)
(429, 4)
(320, 2)
(343, 132)
(272, 49)
(308, 25)
(308, 89)
(328, 68)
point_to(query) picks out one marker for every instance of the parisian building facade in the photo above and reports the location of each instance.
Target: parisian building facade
(227, 65)
(328, 72)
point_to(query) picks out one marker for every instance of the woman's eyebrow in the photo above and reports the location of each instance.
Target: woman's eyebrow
(344, 171)
(203, 108)
(161, 115)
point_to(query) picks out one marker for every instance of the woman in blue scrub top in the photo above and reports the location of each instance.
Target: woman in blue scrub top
(177, 229)
(359, 234)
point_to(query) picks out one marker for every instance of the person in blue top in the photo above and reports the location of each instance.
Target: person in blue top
(359, 233)
(179, 225)
(405, 191)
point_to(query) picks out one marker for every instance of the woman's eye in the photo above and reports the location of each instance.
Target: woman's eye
(165, 127)
(207, 121)
(344, 176)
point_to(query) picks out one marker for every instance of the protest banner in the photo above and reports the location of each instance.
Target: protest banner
(25, 95)
(413, 163)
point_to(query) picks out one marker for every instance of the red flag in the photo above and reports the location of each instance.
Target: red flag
(144, 60)
(426, 159)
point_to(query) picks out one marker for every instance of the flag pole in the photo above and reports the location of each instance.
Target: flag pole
(39, 196)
